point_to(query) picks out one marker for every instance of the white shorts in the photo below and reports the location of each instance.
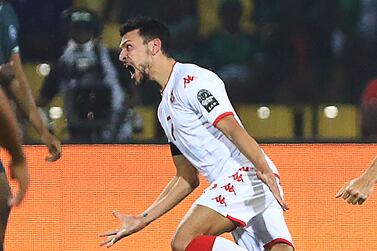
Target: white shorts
(264, 230)
(247, 201)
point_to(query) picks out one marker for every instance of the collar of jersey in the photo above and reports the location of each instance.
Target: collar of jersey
(167, 82)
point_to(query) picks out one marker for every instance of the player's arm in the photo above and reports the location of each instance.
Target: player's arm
(20, 89)
(249, 147)
(358, 190)
(181, 185)
(11, 141)
(178, 160)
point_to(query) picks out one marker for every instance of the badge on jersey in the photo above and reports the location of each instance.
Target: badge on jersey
(207, 100)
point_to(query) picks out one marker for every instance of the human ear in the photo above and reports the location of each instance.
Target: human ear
(155, 46)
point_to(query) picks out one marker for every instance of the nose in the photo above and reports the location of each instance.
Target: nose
(122, 55)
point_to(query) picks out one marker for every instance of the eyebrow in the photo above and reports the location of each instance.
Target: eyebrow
(124, 42)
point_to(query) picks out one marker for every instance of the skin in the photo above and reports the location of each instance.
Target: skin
(11, 141)
(21, 91)
(357, 191)
(13, 78)
(150, 62)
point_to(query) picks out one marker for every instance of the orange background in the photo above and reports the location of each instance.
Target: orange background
(70, 202)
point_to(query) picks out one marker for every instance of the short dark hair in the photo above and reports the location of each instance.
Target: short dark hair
(149, 29)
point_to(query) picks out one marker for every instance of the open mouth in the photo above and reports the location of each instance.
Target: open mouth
(131, 69)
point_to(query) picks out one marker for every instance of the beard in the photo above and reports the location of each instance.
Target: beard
(143, 78)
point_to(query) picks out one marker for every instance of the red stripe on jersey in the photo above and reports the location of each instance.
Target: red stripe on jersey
(221, 116)
(278, 240)
(171, 71)
(277, 176)
(239, 222)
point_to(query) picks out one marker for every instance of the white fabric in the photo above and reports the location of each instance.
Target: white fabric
(222, 244)
(263, 229)
(238, 195)
(193, 99)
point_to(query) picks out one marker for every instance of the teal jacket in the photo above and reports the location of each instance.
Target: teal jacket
(9, 26)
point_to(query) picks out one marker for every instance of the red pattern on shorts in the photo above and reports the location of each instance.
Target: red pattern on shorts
(230, 188)
(237, 177)
(220, 199)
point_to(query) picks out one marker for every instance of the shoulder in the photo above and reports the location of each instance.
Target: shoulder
(9, 12)
(191, 78)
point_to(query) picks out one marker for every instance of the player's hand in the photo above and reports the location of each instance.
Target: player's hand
(128, 226)
(54, 147)
(19, 172)
(269, 179)
(356, 191)
(6, 73)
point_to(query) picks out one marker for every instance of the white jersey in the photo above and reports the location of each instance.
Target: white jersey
(193, 101)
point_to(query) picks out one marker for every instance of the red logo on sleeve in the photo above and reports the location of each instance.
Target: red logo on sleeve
(187, 80)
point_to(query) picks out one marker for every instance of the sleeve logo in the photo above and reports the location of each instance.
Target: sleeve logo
(207, 100)
(12, 32)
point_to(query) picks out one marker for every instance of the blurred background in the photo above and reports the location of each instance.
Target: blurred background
(295, 70)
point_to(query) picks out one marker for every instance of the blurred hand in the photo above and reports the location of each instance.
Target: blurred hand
(54, 147)
(6, 73)
(128, 226)
(19, 172)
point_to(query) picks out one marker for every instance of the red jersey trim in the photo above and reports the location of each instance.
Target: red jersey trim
(237, 221)
(278, 240)
(167, 81)
(277, 175)
(221, 116)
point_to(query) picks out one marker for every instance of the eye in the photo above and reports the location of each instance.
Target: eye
(128, 47)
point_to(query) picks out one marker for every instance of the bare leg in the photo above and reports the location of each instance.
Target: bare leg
(4, 208)
(198, 221)
(281, 247)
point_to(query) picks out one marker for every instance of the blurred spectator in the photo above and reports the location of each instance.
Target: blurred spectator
(39, 37)
(369, 110)
(209, 18)
(232, 52)
(181, 18)
(298, 51)
(345, 74)
(85, 75)
(120, 10)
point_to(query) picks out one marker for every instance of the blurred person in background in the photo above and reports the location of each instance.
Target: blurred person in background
(368, 110)
(93, 96)
(358, 190)
(11, 141)
(233, 52)
(19, 88)
(14, 82)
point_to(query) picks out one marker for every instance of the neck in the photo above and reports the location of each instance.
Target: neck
(161, 71)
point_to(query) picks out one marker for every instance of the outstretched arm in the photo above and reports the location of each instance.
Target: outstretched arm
(185, 181)
(11, 141)
(21, 90)
(358, 190)
(249, 147)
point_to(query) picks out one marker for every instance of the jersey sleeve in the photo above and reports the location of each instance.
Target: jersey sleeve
(12, 30)
(207, 96)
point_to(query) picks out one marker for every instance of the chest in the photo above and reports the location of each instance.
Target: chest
(177, 118)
